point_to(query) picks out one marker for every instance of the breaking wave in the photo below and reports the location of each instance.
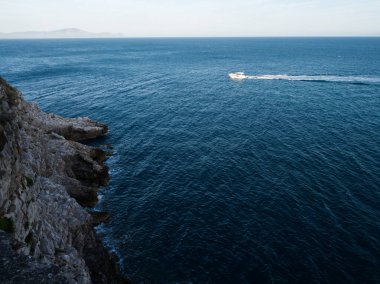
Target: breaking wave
(321, 78)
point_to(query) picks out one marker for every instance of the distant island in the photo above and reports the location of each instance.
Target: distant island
(62, 33)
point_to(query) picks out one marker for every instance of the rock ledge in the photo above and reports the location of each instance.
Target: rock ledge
(46, 177)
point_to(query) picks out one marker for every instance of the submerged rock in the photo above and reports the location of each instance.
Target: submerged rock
(46, 175)
(99, 217)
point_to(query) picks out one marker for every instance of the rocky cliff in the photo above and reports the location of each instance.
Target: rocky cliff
(46, 179)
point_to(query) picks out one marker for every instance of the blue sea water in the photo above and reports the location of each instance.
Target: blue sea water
(221, 181)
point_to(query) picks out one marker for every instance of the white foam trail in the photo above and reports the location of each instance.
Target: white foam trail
(320, 78)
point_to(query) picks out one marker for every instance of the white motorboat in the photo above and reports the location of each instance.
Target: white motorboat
(237, 76)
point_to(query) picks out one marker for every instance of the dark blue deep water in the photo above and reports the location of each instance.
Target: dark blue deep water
(218, 181)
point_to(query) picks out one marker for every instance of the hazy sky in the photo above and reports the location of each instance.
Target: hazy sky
(196, 17)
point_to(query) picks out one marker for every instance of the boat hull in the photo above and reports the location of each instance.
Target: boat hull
(234, 76)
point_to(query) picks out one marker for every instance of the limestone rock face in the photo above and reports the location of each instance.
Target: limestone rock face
(46, 175)
(18, 268)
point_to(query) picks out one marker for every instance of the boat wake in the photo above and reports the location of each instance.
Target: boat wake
(362, 80)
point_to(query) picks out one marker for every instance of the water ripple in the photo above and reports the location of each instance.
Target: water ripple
(215, 181)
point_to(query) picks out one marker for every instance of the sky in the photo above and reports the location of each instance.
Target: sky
(189, 18)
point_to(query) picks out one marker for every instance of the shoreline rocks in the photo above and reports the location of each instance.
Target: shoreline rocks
(46, 177)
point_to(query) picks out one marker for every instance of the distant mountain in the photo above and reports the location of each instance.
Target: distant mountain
(64, 33)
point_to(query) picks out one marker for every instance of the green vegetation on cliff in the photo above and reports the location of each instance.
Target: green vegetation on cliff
(6, 225)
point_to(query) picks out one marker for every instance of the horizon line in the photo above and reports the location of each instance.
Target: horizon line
(199, 37)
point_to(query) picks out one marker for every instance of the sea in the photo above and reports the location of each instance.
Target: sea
(270, 179)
